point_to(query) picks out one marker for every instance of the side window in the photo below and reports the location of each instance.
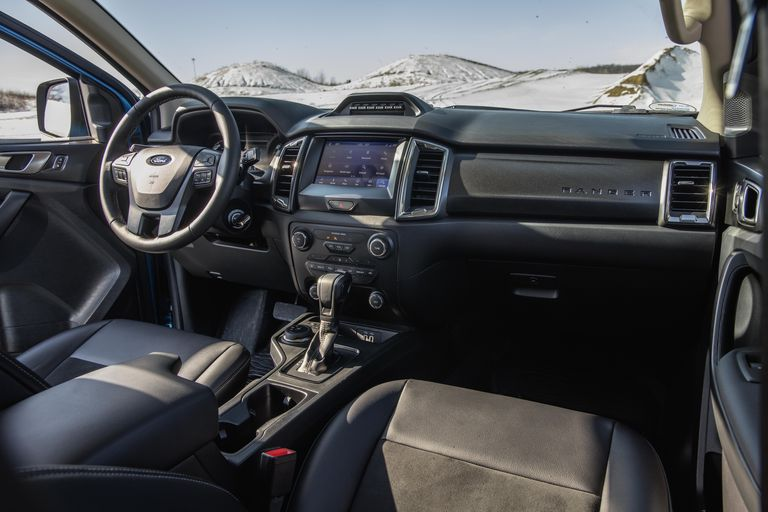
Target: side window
(62, 113)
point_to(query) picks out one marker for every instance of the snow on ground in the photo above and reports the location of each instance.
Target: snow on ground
(673, 74)
(19, 125)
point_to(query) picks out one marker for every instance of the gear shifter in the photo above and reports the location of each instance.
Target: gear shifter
(332, 289)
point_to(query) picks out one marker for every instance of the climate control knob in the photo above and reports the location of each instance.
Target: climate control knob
(376, 300)
(379, 246)
(301, 239)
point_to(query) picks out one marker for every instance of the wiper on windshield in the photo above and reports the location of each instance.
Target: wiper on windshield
(619, 109)
(662, 107)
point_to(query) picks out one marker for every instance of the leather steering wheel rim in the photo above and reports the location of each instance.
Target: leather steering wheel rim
(225, 176)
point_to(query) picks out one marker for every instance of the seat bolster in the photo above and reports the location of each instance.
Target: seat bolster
(634, 477)
(45, 357)
(97, 488)
(331, 476)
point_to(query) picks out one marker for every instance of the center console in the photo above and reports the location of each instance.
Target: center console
(287, 407)
(368, 255)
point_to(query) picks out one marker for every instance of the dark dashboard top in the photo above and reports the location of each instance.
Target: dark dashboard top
(502, 130)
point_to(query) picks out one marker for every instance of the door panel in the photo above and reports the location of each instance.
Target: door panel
(59, 265)
(735, 364)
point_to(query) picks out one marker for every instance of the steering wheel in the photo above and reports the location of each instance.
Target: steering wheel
(162, 180)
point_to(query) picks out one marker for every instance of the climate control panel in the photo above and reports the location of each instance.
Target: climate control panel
(368, 255)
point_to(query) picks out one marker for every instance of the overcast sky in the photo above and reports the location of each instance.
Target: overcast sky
(346, 40)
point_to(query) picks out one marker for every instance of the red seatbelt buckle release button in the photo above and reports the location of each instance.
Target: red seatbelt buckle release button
(276, 468)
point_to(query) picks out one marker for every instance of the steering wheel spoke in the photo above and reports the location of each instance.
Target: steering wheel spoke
(137, 219)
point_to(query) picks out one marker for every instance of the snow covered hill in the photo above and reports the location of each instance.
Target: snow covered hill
(255, 79)
(422, 70)
(448, 80)
(673, 74)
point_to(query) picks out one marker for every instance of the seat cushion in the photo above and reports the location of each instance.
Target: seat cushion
(220, 365)
(414, 445)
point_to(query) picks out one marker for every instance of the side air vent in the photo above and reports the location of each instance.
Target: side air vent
(421, 189)
(685, 133)
(284, 174)
(690, 193)
(386, 108)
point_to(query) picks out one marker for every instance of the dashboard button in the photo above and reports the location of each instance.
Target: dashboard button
(379, 246)
(341, 205)
(301, 239)
(376, 300)
(339, 248)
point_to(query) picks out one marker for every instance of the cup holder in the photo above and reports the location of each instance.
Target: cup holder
(241, 424)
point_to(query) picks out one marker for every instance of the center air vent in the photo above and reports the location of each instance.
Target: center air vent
(422, 186)
(690, 193)
(387, 108)
(284, 174)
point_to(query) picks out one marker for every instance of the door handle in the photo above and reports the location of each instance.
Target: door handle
(24, 162)
(12, 204)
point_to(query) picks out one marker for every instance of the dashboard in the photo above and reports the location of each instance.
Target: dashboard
(420, 205)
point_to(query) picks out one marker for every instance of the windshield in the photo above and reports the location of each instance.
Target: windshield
(544, 55)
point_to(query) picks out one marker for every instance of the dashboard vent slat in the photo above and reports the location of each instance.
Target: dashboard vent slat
(690, 193)
(386, 108)
(421, 192)
(285, 173)
(685, 133)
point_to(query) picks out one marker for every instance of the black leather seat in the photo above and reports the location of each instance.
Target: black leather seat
(413, 445)
(220, 365)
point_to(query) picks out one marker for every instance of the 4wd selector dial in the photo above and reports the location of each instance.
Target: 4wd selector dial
(301, 239)
(379, 246)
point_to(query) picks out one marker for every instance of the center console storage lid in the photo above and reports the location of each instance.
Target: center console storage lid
(137, 414)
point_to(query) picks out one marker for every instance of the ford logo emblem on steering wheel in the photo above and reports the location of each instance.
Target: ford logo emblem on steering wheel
(159, 160)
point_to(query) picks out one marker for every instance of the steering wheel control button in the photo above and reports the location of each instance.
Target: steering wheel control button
(376, 300)
(125, 159)
(120, 175)
(205, 160)
(341, 205)
(379, 246)
(301, 240)
(202, 178)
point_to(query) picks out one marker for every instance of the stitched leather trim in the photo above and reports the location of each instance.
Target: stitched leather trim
(109, 471)
(26, 372)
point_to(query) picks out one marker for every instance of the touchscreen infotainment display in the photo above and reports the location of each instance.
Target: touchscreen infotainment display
(354, 163)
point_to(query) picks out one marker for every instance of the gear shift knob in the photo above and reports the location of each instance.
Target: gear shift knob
(332, 289)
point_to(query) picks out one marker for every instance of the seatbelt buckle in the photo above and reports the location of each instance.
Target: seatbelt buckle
(276, 469)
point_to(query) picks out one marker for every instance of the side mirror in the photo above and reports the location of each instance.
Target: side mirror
(60, 109)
